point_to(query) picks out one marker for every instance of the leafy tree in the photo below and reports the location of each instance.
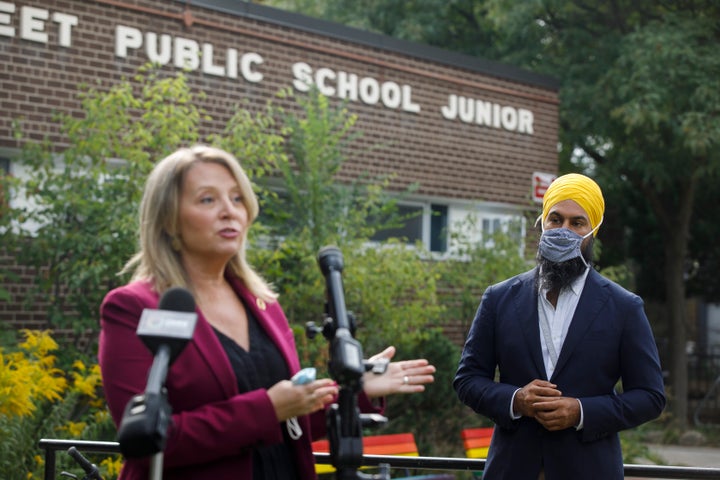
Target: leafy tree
(458, 25)
(638, 111)
(648, 75)
(663, 86)
(311, 203)
(78, 222)
(81, 202)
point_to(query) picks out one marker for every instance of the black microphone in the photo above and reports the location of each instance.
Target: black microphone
(90, 468)
(165, 332)
(346, 357)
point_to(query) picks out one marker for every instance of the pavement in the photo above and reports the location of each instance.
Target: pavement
(680, 456)
(684, 456)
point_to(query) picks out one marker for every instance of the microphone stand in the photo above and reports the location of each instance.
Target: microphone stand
(143, 430)
(346, 366)
(165, 331)
(156, 378)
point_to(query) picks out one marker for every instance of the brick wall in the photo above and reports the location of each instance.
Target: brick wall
(450, 160)
(16, 312)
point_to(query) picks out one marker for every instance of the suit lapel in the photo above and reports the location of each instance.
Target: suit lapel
(592, 299)
(527, 315)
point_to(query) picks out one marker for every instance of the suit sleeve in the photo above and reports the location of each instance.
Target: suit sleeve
(207, 424)
(642, 396)
(475, 377)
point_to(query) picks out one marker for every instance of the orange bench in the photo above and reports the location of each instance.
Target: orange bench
(391, 444)
(477, 441)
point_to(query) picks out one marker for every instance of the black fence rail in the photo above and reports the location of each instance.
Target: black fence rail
(51, 446)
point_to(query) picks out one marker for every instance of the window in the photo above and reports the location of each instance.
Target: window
(438, 228)
(412, 228)
(426, 223)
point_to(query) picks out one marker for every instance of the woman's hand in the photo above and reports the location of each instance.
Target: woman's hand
(407, 376)
(295, 400)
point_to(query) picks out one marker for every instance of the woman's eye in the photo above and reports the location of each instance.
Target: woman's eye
(206, 200)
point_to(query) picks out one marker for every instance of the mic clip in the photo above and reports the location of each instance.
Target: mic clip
(143, 430)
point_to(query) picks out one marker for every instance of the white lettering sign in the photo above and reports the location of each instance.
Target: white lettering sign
(185, 53)
(349, 86)
(469, 110)
(33, 24)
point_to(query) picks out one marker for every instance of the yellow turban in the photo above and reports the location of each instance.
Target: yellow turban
(582, 190)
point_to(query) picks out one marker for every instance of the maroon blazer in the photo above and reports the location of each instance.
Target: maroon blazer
(214, 428)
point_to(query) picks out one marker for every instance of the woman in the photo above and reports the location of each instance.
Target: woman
(229, 389)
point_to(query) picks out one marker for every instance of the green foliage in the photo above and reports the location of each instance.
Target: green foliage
(44, 399)
(478, 265)
(313, 205)
(81, 202)
(436, 417)
(459, 25)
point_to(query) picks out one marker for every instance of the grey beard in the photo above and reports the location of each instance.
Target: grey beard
(555, 276)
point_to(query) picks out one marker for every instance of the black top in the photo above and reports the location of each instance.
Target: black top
(262, 367)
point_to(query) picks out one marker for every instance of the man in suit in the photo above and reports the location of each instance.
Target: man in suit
(575, 356)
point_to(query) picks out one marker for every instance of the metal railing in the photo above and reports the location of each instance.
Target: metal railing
(51, 446)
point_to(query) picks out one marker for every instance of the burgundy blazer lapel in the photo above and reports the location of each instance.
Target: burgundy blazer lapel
(211, 352)
(271, 318)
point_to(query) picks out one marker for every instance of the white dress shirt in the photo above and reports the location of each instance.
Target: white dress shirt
(558, 320)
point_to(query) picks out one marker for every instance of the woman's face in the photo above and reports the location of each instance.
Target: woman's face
(212, 217)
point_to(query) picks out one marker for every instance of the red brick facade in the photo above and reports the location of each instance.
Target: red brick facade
(447, 158)
(49, 47)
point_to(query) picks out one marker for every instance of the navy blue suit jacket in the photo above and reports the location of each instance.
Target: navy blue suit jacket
(609, 340)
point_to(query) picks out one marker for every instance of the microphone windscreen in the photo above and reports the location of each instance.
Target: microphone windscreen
(330, 258)
(177, 299)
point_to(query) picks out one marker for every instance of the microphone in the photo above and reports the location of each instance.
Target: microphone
(346, 357)
(165, 332)
(90, 468)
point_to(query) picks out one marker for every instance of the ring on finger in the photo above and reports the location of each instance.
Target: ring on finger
(406, 380)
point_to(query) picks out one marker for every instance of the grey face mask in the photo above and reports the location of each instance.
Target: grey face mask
(562, 244)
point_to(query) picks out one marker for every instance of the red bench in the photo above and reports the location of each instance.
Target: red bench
(477, 441)
(391, 444)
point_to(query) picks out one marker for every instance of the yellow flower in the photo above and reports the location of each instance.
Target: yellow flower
(28, 374)
(112, 466)
(74, 429)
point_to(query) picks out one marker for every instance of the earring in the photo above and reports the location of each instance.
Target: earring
(175, 243)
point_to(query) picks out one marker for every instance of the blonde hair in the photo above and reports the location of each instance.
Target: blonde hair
(157, 261)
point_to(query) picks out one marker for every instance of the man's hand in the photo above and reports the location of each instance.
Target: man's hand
(532, 393)
(558, 414)
(542, 401)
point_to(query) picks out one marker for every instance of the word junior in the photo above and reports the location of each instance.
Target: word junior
(470, 110)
